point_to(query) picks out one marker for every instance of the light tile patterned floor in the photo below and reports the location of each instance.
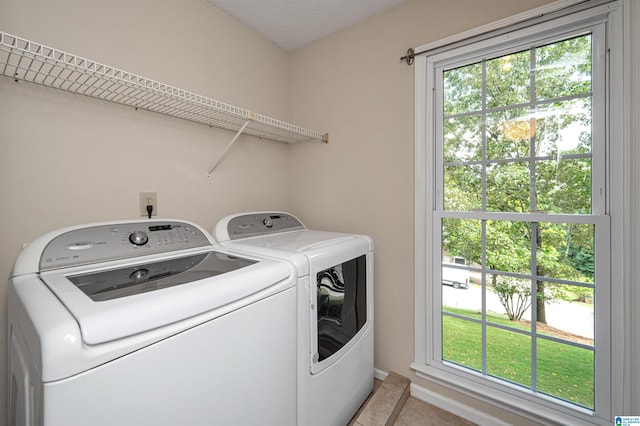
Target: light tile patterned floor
(419, 413)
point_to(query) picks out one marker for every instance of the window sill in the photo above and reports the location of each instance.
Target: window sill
(513, 399)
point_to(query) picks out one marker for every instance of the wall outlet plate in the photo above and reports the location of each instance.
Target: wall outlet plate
(148, 199)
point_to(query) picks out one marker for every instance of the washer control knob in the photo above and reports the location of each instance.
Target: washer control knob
(139, 274)
(138, 238)
(267, 222)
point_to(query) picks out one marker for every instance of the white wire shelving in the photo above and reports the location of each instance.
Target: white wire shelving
(22, 59)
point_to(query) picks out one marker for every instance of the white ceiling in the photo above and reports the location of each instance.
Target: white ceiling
(293, 23)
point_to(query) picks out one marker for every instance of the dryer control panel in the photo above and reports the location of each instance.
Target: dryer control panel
(255, 224)
(119, 241)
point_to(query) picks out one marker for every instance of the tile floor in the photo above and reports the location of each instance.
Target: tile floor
(419, 413)
(416, 413)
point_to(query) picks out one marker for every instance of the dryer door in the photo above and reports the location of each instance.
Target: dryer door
(340, 303)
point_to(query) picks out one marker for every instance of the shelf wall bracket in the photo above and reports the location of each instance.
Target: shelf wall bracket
(238, 133)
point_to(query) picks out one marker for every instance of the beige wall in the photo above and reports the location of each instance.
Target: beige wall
(67, 159)
(354, 85)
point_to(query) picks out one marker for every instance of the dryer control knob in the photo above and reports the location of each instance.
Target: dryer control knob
(268, 223)
(138, 238)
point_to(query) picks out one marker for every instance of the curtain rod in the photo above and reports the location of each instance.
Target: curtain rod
(503, 26)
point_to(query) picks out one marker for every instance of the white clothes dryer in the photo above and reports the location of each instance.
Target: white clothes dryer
(149, 323)
(335, 308)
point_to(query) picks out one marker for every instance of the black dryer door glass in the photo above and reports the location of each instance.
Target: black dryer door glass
(342, 304)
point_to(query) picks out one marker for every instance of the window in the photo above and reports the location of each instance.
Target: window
(511, 131)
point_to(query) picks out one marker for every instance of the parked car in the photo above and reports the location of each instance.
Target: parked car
(455, 277)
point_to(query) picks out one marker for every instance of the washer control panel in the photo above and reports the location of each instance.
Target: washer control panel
(119, 241)
(255, 224)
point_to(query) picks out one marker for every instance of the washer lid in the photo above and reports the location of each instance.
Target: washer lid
(120, 300)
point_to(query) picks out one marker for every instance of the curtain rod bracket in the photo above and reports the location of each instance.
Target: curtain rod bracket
(408, 58)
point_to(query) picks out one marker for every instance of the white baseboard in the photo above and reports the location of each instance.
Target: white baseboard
(448, 404)
(379, 374)
(451, 405)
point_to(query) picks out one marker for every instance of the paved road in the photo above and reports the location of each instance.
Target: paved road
(573, 317)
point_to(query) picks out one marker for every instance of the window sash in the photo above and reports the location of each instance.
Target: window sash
(598, 201)
(602, 340)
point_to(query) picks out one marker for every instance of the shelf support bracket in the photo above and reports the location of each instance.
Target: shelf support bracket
(244, 126)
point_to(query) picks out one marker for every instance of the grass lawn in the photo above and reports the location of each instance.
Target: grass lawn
(563, 371)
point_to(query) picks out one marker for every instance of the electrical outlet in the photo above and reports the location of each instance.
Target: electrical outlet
(148, 199)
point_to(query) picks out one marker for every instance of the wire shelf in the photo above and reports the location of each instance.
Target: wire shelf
(22, 59)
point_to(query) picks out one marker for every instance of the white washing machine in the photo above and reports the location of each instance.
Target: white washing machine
(149, 323)
(335, 308)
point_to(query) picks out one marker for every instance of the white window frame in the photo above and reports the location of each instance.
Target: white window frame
(428, 364)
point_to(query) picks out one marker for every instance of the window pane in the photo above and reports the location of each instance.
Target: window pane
(566, 372)
(566, 251)
(508, 134)
(458, 295)
(563, 128)
(509, 246)
(510, 297)
(462, 342)
(568, 313)
(563, 68)
(509, 356)
(463, 89)
(463, 139)
(508, 80)
(461, 247)
(461, 299)
(564, 186)
(508, 187)
(461, 238)
(463, 188)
